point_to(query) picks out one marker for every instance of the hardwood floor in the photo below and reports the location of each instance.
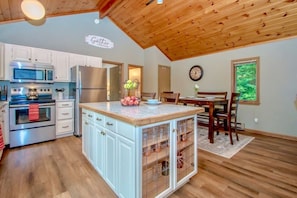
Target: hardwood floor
(267, 167)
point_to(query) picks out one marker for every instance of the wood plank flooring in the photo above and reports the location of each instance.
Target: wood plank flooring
(267, 167)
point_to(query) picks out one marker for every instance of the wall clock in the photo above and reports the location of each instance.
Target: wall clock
(196, 72)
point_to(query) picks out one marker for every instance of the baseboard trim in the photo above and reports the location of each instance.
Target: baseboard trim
(287, 137)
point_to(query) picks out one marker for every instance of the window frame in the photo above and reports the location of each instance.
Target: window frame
(234, 64)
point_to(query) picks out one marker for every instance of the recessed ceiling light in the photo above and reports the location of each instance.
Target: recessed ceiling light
(96, 21)
(159, 1)
(33, 9)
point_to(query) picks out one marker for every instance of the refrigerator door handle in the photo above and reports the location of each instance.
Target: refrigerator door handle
(79, 82)
(79, 79)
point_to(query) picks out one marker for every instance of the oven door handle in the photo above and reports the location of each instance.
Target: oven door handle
(27, 105)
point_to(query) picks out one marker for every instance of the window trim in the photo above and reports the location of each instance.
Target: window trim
(245, 60)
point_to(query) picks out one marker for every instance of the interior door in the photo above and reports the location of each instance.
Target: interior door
(164, 79)
(114, 84)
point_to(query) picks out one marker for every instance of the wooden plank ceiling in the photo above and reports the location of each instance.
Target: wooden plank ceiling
(182, 28)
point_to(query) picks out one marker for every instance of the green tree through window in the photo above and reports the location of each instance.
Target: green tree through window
(245, 79)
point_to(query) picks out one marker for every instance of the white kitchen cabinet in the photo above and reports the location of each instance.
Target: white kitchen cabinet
(114, 154)
(2, 62)
(4, 121)
(93, 61)
(87, 121)
(100, 147)
(83, 60)
(126, 167)
(150, 153)
(164, 161)
(41, 56)
(24, 53)
(111, 159)
(60, 60)
(77, 59)
(64, 118)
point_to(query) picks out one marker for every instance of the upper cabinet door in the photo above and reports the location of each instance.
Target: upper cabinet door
(93, 61)
(61, 64)
(31, 54)
(21, 53)
(77, 59)
(41, 55)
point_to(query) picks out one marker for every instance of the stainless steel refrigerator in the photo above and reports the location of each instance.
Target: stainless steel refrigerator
(88, 84)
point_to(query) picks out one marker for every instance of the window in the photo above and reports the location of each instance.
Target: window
(245, 79)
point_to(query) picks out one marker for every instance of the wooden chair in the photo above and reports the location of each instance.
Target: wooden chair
(230, 117)
(169, 97)
(222, 95)
(204, 117)
(148, 95)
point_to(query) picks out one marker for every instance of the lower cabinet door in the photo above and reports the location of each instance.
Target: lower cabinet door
(126, 168)
(100, 143)
(92, 142)
(110, 159)
(85, 137)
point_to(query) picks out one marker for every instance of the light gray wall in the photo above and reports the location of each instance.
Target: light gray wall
(67, 33)
(152, 58)
(277, 112)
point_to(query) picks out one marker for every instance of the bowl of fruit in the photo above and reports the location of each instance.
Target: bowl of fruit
(129, 101)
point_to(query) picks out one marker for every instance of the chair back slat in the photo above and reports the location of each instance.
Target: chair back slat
(148, 95)
(169, 97)
(233, 106)
(221, 95)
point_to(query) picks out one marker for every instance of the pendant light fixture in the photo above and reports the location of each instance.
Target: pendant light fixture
(33, 9)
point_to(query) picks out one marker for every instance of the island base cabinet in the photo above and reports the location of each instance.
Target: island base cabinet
(141, 161)
(126, 168)
(169, 156)
(110, 159)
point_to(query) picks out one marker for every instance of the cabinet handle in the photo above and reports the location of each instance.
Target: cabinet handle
(64, 127)
(65, 113)
(86, 123)
(98, 119)
(173, 130)
(65, 105)
(102, 133)
(90, 116)
(84, 113)
(109, 124)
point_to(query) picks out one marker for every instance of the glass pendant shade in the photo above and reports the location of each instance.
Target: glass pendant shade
(33, 9)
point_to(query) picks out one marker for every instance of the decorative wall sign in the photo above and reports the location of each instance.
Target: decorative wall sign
(99, 41)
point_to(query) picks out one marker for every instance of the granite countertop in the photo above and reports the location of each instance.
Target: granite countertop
(3, 103)
(143, 114)
(64, 100)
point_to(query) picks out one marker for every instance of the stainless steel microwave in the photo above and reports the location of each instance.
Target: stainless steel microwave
(23, 72)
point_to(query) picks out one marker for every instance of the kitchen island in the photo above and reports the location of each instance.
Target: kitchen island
(141, 151)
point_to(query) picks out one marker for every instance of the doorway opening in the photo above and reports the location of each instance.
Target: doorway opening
(114, 80)
(135, 74)
(164, 79)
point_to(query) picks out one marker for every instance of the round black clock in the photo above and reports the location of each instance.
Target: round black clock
(196, 72)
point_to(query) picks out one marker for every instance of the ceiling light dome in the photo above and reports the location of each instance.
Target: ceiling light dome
(33, 9)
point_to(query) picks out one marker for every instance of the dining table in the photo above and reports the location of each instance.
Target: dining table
(210, 102)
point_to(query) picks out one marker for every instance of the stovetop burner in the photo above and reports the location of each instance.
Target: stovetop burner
(39, 101)
(22, 95)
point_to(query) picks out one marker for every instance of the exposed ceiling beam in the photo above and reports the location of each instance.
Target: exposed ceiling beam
(105, 6)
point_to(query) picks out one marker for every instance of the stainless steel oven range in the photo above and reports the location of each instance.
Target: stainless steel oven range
(31, 115)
